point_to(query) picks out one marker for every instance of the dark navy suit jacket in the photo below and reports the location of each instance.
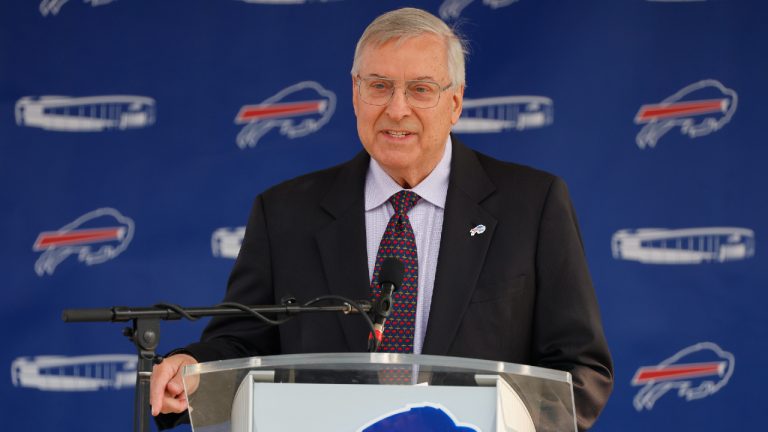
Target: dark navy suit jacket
(520, 292)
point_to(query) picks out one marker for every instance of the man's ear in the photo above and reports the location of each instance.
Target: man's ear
(457, 101)
(354, 95)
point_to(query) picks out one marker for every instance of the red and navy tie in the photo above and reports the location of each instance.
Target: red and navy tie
(399, 242)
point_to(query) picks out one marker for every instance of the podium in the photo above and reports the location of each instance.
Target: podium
(376, 392)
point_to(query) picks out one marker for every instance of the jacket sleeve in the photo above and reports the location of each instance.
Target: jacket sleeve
(568, 333)
(250, 283)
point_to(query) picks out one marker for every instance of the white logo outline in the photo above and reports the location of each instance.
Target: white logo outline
(254, 130)
(55, 255)
(85, 113)
(654, 129)
(52, 7)
(451, 9)
(651, 392)
(502, 113)
(226, 242)
(78, 373)
(683, 245)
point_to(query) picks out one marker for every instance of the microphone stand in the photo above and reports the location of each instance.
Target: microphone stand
(381, 310)
(145, 332)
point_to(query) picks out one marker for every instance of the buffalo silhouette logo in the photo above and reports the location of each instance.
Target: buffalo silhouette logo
(451, 9)
(95, 237)
(419, 418)
(296, 111)
(695, 372)
(698, 109)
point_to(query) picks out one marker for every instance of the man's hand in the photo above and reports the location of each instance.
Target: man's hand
(166, 390)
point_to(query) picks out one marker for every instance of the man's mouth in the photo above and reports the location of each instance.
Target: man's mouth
(397, 134)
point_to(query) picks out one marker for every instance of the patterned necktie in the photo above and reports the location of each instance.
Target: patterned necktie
(399, 242)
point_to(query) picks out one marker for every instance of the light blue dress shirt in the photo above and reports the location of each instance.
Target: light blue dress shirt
(426, 219)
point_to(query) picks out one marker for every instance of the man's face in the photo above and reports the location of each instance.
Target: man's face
(408, 142)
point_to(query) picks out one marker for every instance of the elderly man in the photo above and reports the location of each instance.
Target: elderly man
(494, 258)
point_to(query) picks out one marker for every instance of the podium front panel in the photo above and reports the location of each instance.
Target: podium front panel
(349, 407)
(356, 392)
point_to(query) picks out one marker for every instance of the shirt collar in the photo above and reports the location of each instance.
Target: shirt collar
(379, 186)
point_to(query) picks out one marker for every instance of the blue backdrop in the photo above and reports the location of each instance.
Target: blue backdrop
(134, 135)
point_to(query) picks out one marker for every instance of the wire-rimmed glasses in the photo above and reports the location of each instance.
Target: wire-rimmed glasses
(418, 93)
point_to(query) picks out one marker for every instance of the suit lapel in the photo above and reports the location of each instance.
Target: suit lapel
(461, 254)
(342, 244)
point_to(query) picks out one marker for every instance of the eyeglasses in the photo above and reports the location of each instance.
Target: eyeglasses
(418, 93)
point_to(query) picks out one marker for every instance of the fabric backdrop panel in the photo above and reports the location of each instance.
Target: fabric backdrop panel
(135, 134)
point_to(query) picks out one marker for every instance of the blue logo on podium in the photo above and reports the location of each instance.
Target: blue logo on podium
(419, 418)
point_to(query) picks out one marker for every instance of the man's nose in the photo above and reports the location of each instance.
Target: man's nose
(398, 107)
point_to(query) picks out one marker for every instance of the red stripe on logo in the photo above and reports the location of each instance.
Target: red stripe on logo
(281, 110)
(649, 113)
(677, 372)
(51, 239)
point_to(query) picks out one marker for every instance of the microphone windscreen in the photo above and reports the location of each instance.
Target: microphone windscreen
(392, 271)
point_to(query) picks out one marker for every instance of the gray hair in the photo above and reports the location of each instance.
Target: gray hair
(406, 23)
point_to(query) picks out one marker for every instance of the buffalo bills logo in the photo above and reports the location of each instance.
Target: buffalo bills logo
(698, 109)
(419, 418)
(95, 237)
(502, 113)
(451, 9)
(695, 372)
(296, 111)
(53, 7)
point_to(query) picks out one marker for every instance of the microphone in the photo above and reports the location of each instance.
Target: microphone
(390, 279)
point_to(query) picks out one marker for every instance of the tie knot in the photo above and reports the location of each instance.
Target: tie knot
(403, 201)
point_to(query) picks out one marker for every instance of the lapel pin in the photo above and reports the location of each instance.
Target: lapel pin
(477, 230)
